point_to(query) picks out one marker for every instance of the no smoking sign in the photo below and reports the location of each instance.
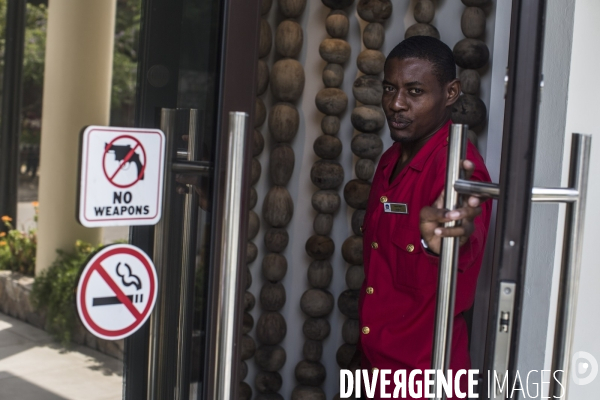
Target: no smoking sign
(116, 291)
(121, 176)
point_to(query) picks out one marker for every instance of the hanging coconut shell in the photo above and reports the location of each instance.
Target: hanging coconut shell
(367, 145)
(368, 118)
(265, 6)
(337, 4)
(244, 391)
(271, 328)
(269, 396)
(253, 225)
(476, 3)
(424, 11)
(472, 22)
(330, 125)
(470, 110)
(320, 274)
(370, 62)
(312, 350)
(356, 193)
(262, 77)
(355, 276)
(316, 328)
(320, 247)
(287, 80)
(368, 90)
(251, 254)
(248, 323)
(419, 29)
(278, 207)
(265, 40)
(255, 171)
(471, 54)
(249, 301)
(364, 169)
(327, 174)
(248, 347)
(274, 267)
(311, 373)
(470, 81)
(345, 354)
(351, 331)
(281, 165)
(352, 250)
(258, 143)
(288, 39)
(333, 75)
(270, 358)
(374, 10)
(268, 382)
(373, 36)
(308, 393)
(327, 147)
(284, 121)
(276, 240)
(331, 101)
(243, 370)
(337, 24)
(316, 303)
(291, 8)
(336, 51)
(323, 224)
(326, 201)
(272, 296)
(358, 217)
(252, 198)
(348, 303)
(260, 113)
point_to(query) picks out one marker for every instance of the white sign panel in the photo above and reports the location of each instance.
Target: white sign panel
(121, 176)
(116, 291)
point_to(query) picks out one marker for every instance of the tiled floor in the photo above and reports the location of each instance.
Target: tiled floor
(34, 367)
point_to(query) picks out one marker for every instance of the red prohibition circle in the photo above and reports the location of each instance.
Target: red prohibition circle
(141, 172)
(151, 295)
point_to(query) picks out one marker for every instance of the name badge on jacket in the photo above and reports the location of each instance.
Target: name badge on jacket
(395, 208)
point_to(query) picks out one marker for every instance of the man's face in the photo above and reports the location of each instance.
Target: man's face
(414, 101)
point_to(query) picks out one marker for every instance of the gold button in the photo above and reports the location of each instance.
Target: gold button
(410, 248)
(366, 330)
(374, 369)
(369, 290)
(383, 199)
(374, 245)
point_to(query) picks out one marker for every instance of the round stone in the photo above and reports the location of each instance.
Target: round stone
(364, 169)
(251, 254)
(272, 296)
(247, 323)
(252, 198)
(355, 276)
(370, 62)
(320, 247)
(276, 240)
(368, 118)
(323, 224)
(326, 201)
(310, 373)
(249, 301)
(255, 171)
(278, 207)
(333, 75)
(471, 54)
(274, 267)
(348, 303)
(317, 303)
(470, 81)
(352, 250)
(345, 354)
(288, 38)
(368, 90)
(327, 147)
(308, 393)
(331, 101)
(287, 80)
(351, 331)
(472, 22)
(267, 382)
(330, 125)
(373, 36)
(358, 217)
(243, 370)
(270, 358)
(262, 77)
(248, 347)
(281, 165)
(291, 8)
(253, 224)
(265, 40)
(258, 143)
(312, 350)
(356, 193)
(337, 24)
(271, 328)
(374, 10)
(470, 110)
(424, 11)
(337, 4)
(327, 174)
(284, 121)
(419, 29)
(367, 145)
(320, 274)
(316, 328)
(336, 51)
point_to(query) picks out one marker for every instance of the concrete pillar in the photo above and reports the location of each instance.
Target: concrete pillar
(77, 84)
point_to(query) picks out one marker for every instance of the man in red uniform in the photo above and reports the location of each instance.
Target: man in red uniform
(404, 222)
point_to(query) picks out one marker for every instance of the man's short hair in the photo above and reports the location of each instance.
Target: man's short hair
(431, 49)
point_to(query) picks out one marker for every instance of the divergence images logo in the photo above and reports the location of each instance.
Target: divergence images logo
(584, 368)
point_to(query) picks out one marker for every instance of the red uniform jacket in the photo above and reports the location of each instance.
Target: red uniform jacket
(398, 298)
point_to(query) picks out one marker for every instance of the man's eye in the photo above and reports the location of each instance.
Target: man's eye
(388, 88)
(415, 91)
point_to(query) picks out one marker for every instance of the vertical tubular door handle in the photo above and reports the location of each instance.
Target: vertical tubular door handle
(229, 258)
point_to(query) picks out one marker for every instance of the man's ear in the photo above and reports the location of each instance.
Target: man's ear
(452, 92)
